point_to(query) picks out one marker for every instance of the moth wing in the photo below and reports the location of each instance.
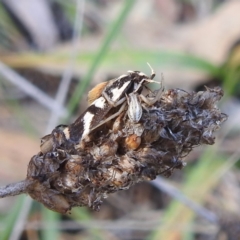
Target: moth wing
(96, 92)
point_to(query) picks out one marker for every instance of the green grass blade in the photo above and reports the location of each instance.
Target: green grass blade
(162, 58)
(82, 214)
(112, 33)
(51, 217)
(128, 57)
(11, 217)
(8, 31)
(231, 82)
(198, 183)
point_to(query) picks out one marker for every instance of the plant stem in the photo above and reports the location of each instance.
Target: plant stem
(14, 189)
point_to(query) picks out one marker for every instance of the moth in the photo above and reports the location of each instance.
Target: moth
(105, 96)
(116, 93)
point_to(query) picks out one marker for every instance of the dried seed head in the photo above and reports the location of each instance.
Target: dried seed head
(120, 152)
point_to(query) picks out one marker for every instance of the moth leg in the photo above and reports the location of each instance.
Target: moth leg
(112, 103)
(152, 101)
(140, 85)
(148, 80)
(127, 97)
(111, 117)
(153, 74)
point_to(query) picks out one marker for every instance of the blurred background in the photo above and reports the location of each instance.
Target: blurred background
(52, 52)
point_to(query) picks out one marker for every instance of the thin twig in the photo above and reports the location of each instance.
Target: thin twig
(120, 225)
(168, 188)
(14, 189)
(30, 89)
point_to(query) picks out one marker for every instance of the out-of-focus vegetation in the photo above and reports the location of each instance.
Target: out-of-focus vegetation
(117, 36)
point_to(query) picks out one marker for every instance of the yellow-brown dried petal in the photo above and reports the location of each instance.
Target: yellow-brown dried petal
(132, 142)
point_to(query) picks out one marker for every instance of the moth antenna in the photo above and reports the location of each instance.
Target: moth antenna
(153, 74)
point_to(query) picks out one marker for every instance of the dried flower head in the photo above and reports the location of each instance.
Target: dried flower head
(122, 152)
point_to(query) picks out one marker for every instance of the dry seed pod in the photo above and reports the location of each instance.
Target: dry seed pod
(46, 143)
(106, 149)
(51, 199)
(121, 153)
(132, 142)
